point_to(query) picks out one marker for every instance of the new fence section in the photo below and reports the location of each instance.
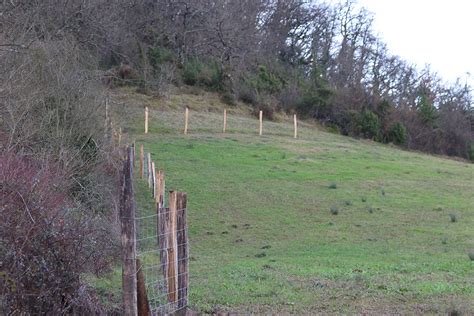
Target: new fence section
(154, 242)
(222, 123)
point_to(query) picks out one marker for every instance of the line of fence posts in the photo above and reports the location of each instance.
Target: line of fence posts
(172, 240)
(260, 118)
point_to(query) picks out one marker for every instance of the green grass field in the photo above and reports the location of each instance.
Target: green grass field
(263, 233)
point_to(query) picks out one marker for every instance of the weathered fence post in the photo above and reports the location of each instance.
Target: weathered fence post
(149, 170)
(146, 120)
(127, 223)
(225, 121)
(160, 188)
(143, 307)
(153, 180)
(260, 115)
(296, 125)
(163, 240)
(186, 118)
(183, 251)
(173, 249)
(141, 161)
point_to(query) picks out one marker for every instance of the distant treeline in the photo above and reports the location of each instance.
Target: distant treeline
(323, 61)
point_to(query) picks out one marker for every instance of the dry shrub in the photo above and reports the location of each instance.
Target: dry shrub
(57, 179)
(47, 240)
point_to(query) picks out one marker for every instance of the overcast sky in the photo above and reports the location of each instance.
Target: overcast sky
(435, 32)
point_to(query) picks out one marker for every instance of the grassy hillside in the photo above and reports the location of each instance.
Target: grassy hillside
(263, 230)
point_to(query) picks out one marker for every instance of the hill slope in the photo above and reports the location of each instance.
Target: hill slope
(262, 230)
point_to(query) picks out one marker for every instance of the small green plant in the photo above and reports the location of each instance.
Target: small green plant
(191, 72)
(470, 152)
(228, 98)
(453, 218)
(383, 191)
(444, 241)
(334, 210)
(369, 124)
(363, 199)
(348, 202)
(471, 255)
(398, 134)
(370, 209)
(332, 185)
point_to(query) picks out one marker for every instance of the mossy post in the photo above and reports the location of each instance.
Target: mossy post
(146, 120)
(225, 121)
(296, 125)
(186, 118)
(260, 115)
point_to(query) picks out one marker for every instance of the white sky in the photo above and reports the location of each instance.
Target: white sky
(436, 32)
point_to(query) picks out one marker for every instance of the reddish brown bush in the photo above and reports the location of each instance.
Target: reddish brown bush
(46, 242)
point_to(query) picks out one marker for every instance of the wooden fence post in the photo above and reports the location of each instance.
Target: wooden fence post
(153, 180)
(172, 273)
(127, 223)
(146, 120)
(225, 121)
(163, 240)
(149, 170)
(141, 161)
(160, 188)
(296, 125)
(186, 118)
(143, 307)
(183, 251)
(260, 115)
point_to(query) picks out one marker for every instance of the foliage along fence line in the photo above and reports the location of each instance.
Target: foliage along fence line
(155, 245)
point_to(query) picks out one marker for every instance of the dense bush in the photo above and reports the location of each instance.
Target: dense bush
(57, 210)
(369, 124)
(191, 72)
(471, 152)
(159, 55)
(48, 240)
(397, 134)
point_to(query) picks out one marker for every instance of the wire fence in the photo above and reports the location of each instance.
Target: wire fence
(155, 243)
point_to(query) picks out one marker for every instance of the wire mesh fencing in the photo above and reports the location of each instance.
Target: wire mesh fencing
(155, 244)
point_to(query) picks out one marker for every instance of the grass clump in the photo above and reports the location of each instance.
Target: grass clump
(453, 218)
(334, 210)
(332, 185)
